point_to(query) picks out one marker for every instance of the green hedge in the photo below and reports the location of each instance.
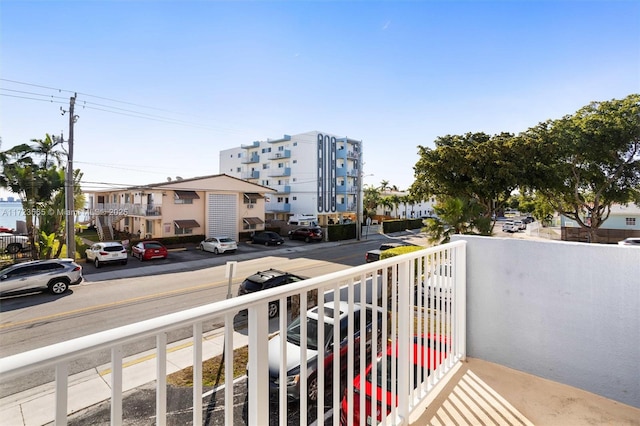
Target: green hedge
(397, 251)
(342, 232)
(398, 225)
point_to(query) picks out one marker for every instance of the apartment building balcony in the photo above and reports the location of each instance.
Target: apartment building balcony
(254, 144)
(128, 209)
(282, 189)
(284, 138)
(279, 172)
(280, 155)
(253, 174)
(526, 341)
(272, 207)
(253, 158)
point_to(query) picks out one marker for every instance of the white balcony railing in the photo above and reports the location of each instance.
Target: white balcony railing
(423, 293)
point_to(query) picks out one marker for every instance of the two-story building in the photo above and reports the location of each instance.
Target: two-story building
(212, 205)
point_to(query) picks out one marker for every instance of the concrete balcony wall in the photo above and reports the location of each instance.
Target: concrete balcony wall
(567, 312)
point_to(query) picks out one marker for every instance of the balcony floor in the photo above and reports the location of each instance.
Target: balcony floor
(483, 393)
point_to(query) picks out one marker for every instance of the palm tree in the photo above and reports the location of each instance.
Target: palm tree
(35, 182)
(46, 148)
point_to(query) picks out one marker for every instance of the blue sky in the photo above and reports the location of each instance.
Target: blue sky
(212, 75)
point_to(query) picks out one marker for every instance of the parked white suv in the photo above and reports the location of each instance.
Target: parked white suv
(106, 252)
(509, 226)
(55, 275)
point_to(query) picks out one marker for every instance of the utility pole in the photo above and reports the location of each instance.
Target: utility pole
(70, 218)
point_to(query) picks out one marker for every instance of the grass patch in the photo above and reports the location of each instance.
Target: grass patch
(210, 370)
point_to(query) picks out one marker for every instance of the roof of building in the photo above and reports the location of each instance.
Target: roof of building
(178, 185)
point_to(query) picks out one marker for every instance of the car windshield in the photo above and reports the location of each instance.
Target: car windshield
(153, 245)
(113, 248)
(226, 240)
(293, 333)
(250, 285)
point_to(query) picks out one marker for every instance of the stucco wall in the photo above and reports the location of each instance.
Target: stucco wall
(569, 312)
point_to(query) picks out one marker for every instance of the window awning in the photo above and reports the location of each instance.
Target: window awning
(187, 195)
(252, 196)
(252, 220)
(186, 224)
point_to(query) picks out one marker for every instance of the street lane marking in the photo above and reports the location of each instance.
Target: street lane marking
(145, 358)
(111, 305)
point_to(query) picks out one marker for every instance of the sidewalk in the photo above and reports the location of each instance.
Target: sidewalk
(35, 407)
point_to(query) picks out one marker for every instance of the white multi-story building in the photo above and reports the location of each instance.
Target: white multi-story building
(313, 173)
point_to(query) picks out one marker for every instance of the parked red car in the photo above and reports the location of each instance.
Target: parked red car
(306, 234)
(147, 250)
(437, 349)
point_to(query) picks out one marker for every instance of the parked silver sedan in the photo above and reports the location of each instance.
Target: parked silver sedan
(219, 245)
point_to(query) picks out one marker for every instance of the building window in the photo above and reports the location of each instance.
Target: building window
(239, 169)
(184, 197)
(630, 221)
(251, 197)
(294, 198)
(183, 231)
(295, 144)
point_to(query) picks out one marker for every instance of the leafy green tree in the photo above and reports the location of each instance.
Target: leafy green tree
(371, 199)
(473, 166)
(33, 172)
(456, 216)
(387, 204)
(588, 161)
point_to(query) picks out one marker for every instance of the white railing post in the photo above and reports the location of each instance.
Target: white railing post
(461, 301)
(161, 379)
(197, 373)
(62, 379)
(116, 385)
(228, 370)
(404, 326)
(258, 366)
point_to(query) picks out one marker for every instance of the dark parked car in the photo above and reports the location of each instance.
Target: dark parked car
(268, 238)
(307, 234)
(55, 275)
(263, 280)
(147, 250)
(436, 349)
(292, 347)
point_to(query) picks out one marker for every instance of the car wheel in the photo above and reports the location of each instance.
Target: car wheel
(216, 251)
(273, 309)
(124, 262)
(14, 248)
(201, 247)
(291, 237)
(307, 239)
(58, 287)
(140, 257)
(312, 388)
(266, 243)
(96, 262)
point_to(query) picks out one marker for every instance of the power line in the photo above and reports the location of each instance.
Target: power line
(33, 99)
(114, 109)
